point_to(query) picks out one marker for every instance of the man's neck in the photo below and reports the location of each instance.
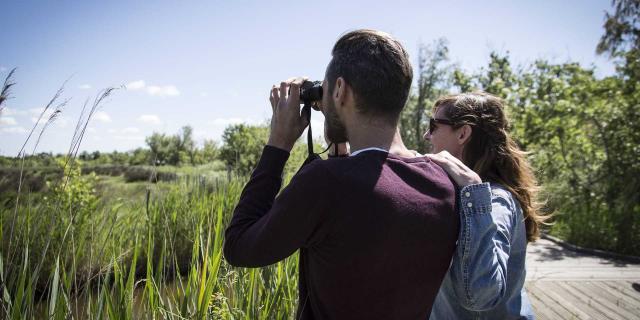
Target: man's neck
(375, 134)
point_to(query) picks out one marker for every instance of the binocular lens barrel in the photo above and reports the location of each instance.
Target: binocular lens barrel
(311, 91)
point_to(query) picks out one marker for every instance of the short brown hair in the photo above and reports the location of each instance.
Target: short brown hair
(376, 67)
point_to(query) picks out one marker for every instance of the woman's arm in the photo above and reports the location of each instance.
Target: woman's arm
(480, 262)
(479, 266)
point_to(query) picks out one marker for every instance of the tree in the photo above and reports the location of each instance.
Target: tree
(433, 79)
(163, 148)
(139, 156)
(210, 151)
(242, 146)
(186, 145)
(172, 150)
(621, 29)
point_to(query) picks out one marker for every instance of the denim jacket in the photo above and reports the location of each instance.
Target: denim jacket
(487, 272)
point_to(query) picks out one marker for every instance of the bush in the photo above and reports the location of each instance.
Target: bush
(133, 174)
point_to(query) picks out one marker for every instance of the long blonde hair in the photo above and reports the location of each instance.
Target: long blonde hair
(492, 153)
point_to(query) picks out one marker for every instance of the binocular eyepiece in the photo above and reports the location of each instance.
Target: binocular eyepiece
(310, 92)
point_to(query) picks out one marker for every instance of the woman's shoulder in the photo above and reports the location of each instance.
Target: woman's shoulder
(499, 190)
(501, 194)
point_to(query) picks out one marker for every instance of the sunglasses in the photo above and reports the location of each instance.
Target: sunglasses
(434, 121)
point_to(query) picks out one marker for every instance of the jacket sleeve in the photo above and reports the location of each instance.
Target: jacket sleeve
(483, 248)
(265, 229)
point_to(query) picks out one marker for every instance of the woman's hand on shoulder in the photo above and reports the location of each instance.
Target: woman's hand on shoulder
(461, 174)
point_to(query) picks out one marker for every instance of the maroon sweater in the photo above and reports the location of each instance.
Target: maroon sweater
(376, 232)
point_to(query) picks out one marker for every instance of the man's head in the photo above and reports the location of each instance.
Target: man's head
(370, 70)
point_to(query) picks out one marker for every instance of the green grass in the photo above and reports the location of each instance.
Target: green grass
(97, 248)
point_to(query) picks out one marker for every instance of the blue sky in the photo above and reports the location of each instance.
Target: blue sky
(210, 64)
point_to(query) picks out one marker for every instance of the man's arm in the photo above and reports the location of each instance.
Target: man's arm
(263, 231)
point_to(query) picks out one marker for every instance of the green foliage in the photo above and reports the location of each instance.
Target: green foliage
(209, 152)
(622, 29)
(433, 78)
(46, 228)
(159, 256)
(172, 150)
(242, 146)
(583, 133)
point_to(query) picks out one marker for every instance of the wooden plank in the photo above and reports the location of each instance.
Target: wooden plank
(588, 301)
(564, 284)
(624, 288)
(620, 299)
(576, 273)
(540, 310)
(601, 297)
(562, 307)
(578, 307)
(553, 309)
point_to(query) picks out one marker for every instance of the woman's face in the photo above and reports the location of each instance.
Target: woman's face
(444, 136)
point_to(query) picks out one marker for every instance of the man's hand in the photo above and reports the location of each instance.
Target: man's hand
(461, 174)
(287, 124)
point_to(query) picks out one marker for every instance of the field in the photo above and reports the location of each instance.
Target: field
(95, 245)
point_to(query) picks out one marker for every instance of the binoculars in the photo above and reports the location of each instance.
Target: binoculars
(310, 92)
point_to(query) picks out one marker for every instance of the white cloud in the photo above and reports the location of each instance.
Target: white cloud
(61, 122)
(154, 90)
(7, 121)
(42, 120)
(150, 119)
(128, 133)
(7, 112)
(3, 69)
(91, 129)
(38, 111)
(204, 94)
(132, 138)
(130, 130)
(102, 117)
(84, 86)
(136, 85)
(229, 121)
(14, 130)
(163, 91)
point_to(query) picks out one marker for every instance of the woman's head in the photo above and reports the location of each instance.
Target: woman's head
(470, 126)
(474, 128)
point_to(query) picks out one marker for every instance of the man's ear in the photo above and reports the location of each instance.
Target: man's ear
(340, 92)
(464, 134)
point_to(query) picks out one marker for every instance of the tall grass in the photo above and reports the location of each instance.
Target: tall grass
(62, 255)
(157, 258)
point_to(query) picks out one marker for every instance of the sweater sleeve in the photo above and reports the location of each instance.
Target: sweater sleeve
(483, 248)
(265, 229)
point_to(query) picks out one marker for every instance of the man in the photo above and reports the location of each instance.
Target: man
(377, 229)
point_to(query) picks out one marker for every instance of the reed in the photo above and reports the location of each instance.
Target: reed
(63, 254)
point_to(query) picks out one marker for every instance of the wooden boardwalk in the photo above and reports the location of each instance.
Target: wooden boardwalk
(564, 284)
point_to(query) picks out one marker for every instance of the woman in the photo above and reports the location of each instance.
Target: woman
(498, 211)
